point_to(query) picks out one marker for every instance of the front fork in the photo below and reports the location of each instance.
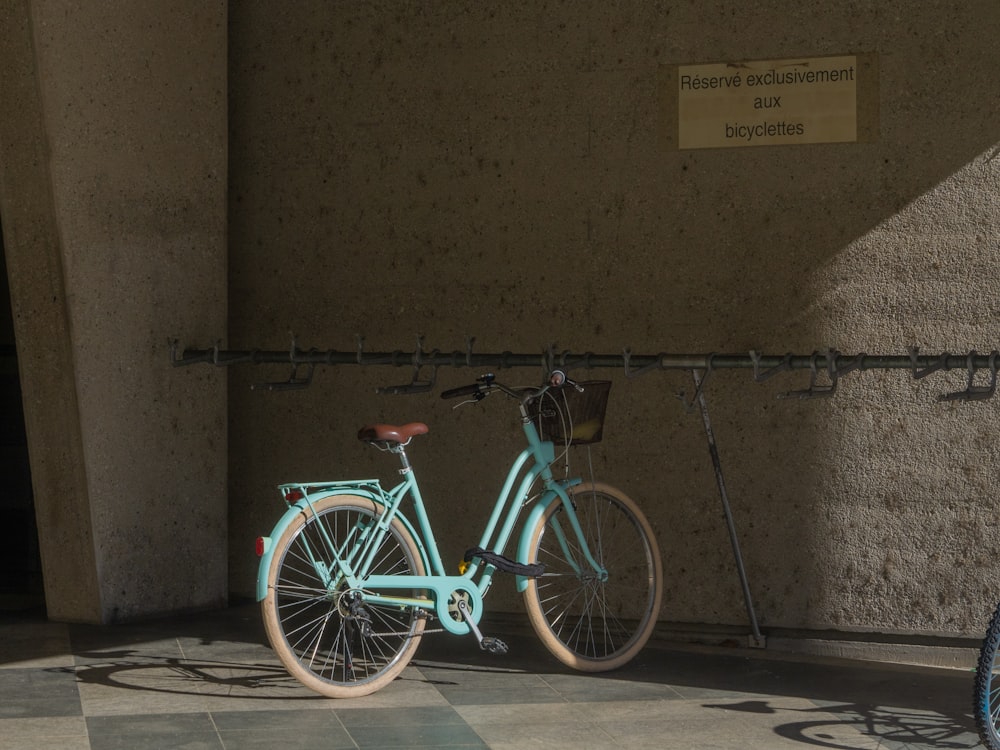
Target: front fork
(565, 537)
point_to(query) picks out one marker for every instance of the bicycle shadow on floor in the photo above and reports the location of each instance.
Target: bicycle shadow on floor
(225, 653)
(854, 726)
(851, 704)
(858, 705)
(180, 676)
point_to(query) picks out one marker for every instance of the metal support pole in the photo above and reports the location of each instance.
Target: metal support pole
(756, 639)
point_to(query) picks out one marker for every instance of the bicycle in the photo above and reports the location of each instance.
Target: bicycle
(986, 688)
(348, 583)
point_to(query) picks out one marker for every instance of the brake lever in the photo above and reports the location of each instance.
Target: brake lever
(476, 398)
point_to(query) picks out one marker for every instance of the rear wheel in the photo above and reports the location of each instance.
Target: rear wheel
(327, 636)
(587, 621)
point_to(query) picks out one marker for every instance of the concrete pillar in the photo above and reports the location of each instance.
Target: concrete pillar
(113, 197)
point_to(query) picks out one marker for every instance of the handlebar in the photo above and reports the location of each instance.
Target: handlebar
(473, 389)
(479, 390)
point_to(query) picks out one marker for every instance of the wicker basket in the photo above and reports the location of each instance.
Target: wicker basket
(578, 413)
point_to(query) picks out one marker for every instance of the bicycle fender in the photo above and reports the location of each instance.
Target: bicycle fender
(267, 548)
(524, 543)
(556, 495)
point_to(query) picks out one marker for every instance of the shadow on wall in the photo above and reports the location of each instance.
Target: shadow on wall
(501, 172)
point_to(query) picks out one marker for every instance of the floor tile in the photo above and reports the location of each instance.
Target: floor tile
(159, 732)
(127, 649)
(352, 718)
(590, 688)
(138, 688)
(45, 742)
(63, 732)
(34, 644)
(523, 713)
(547, 736)
(517, 725)
(239, 739)
(471, 687)
(431, 726)
(417, 736)
(38, 692)
(286, 729)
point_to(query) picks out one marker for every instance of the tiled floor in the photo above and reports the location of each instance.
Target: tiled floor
(209, 681)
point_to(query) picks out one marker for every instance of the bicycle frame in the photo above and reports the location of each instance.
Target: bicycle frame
(355, 554)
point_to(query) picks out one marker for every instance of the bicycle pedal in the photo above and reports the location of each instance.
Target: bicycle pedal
(493, 645)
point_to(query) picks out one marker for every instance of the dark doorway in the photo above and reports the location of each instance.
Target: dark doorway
(20, 562)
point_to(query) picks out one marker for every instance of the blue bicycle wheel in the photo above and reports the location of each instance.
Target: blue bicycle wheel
(986, 693)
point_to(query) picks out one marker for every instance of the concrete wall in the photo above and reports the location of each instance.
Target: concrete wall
(457, 168)
(113, 197)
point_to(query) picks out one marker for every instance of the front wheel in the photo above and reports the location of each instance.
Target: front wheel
(329, 637)
(591, 621)
(986, 692)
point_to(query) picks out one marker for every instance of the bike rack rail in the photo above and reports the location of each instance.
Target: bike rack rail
(826, 368)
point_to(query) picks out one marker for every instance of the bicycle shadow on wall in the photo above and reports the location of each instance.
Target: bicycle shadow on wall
(859, 726)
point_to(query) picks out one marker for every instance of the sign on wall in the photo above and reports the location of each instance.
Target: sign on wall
(770, 102)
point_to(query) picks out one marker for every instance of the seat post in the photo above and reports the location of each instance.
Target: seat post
(393, 438)
(400, 448)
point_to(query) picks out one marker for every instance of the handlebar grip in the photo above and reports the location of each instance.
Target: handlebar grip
(464, 390)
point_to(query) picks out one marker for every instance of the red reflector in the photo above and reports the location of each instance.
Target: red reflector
(260, 546)
(293, 496)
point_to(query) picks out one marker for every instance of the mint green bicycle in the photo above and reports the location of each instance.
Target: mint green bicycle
(348, 584)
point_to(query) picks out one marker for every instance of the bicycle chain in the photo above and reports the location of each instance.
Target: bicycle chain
(407, 634)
